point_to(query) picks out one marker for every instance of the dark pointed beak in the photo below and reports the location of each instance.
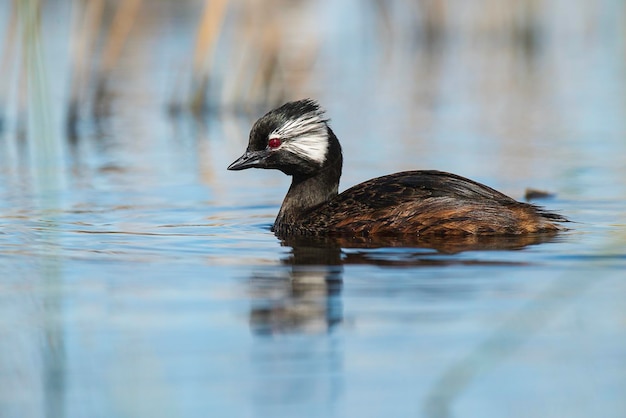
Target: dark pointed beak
(248, 160)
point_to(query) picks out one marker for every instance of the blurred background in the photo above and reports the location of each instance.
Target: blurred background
(522, 92)
(140, 278)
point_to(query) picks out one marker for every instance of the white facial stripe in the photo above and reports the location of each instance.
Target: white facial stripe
(312, 147)
(306, 137)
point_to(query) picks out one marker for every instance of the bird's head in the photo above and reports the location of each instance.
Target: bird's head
(294, 138)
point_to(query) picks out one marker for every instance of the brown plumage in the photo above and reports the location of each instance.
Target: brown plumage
(421, 203)
(296, 139)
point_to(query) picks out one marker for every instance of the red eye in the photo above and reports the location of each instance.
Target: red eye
(273, 143)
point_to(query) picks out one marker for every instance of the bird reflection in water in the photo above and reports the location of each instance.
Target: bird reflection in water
(307, 297)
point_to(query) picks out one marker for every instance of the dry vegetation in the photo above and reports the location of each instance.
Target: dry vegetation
(272, 46)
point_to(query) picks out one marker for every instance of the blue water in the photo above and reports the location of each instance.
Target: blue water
(139, 278)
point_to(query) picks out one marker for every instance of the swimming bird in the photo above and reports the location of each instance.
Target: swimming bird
(296, 139)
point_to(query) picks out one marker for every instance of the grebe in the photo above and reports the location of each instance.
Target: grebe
(296, 139)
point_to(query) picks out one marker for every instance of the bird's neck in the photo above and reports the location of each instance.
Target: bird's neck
(311, 190)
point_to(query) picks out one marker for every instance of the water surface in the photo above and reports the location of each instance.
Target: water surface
(140, 278)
